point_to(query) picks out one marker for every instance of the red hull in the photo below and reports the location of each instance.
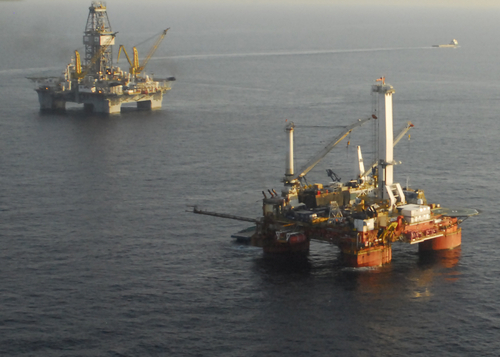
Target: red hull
(286, 248)
(449, 240)
(369, 257)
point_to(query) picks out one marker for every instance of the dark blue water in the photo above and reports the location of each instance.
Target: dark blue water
(98, 256)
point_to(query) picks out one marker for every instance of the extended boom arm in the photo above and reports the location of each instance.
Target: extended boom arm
(152, 51)
(408, 126)
(321, 154)
(135, 67)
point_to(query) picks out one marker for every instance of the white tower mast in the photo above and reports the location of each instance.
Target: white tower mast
(289, 169)
(383, 111)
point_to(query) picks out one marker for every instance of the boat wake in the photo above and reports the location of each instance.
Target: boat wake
(26, 70)
(286, 53)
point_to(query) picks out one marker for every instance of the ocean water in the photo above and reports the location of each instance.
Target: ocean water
(98, 256)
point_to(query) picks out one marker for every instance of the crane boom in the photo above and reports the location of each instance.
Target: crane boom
(408, 126)
(133, 64)
(135, 67)
(126, 55)
(322, 153)
(152, 51)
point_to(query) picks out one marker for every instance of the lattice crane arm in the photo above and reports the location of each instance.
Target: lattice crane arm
(403, 132)
(152, 51)
(323, 152)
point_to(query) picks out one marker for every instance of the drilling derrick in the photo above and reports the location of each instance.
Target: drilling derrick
(97, 83)
(97, 35)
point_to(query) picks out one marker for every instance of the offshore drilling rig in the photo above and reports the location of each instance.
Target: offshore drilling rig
(362, 217)
(97, 83)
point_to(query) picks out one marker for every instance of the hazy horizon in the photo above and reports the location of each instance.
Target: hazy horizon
(394, 3)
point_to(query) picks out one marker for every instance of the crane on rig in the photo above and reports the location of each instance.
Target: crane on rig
(93, 80)
(292, 177)
(315, 159)
(401, 134)
(134, 63)
(135, 67)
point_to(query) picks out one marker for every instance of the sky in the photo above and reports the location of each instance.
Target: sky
(419, 3)
(429, 3)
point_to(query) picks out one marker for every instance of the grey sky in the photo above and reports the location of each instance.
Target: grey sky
(430, 3)
(419, 3)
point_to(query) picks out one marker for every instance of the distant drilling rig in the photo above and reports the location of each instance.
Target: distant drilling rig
(97, 83)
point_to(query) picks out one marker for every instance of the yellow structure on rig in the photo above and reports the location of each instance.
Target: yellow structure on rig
(135, 67)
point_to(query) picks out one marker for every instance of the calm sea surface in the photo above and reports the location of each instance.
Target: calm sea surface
(98, 256)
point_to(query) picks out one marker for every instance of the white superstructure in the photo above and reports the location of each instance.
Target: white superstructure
(383, 112)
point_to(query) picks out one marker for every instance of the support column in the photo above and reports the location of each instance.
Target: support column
(154, 102)
(49, 103)
(106, 106)
(113, 108)
(289, 168)
(452, 238)
(367, 257)
(58, 105)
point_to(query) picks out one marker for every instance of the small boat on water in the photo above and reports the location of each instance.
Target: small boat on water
(452, 44)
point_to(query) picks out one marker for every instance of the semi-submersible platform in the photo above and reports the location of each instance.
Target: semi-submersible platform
(364, 216)
(97, 83)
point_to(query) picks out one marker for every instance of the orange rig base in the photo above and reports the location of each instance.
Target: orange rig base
(450, 239)
(367, 257)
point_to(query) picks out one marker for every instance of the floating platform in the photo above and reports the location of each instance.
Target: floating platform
(362, 217)
(98, 84)
(101, 96)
